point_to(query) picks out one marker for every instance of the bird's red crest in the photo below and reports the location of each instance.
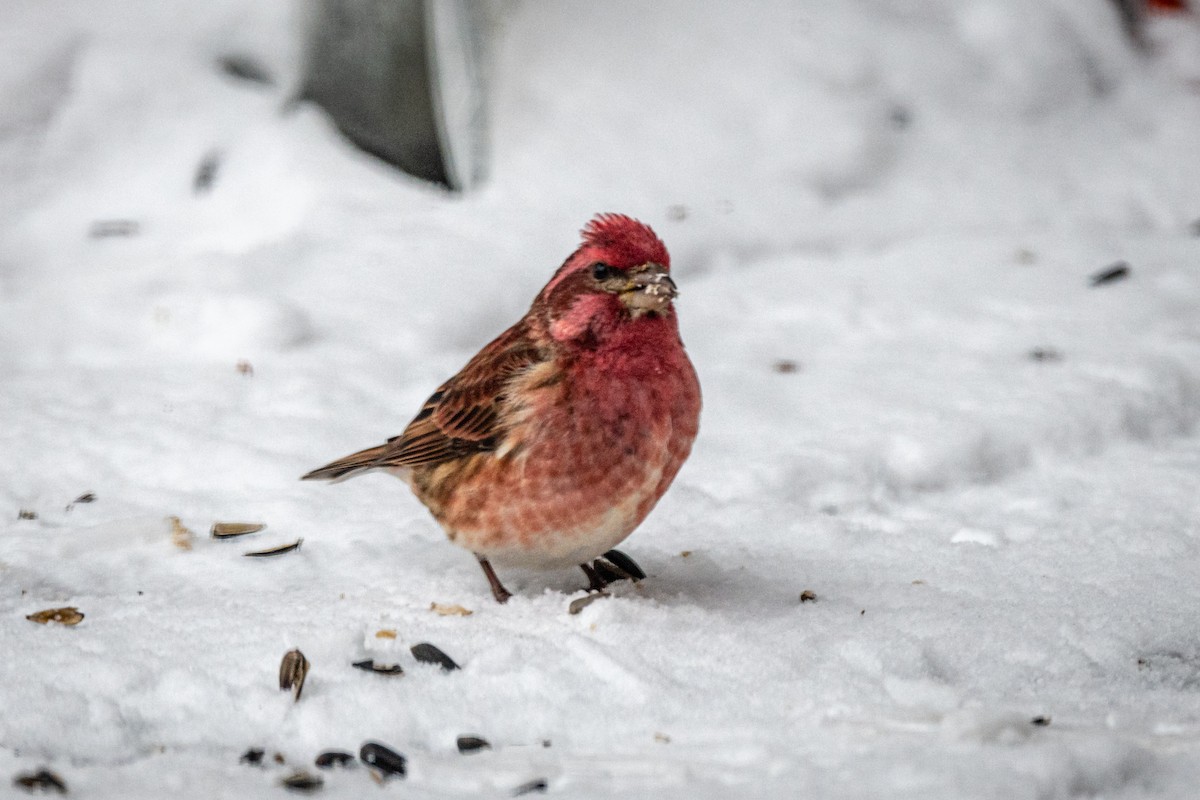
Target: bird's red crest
(623, 242)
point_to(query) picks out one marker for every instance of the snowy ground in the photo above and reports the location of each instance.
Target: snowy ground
(904, 199)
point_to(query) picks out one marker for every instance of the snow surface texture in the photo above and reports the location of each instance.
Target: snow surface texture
(984, 468)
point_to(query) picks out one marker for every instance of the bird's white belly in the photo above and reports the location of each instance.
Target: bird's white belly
(578, 545)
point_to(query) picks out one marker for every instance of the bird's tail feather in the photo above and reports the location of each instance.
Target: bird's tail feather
(349, 466)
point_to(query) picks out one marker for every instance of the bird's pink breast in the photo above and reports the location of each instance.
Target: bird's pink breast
(593, 453)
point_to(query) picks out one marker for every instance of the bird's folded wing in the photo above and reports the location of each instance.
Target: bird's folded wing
(464, 415)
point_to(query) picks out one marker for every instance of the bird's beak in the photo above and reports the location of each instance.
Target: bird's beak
(649, 288)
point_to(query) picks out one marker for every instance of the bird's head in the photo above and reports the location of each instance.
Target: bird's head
(618, 275)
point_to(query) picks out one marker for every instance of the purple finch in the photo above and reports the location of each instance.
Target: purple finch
(557, 439)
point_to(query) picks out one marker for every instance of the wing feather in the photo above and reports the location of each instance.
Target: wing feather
(464, 415)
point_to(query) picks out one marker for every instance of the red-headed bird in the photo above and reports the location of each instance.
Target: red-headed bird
(556, 440)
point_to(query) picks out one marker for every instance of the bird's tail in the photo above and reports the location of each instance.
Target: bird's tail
(349, 466)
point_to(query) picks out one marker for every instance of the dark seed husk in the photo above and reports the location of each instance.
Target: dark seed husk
(246, 68)
(334, 758)
(472, 744)
(206, 172)
(302, 781)
(580, 603)
(537, 785)
(228, 530)
(277, 551)
(1113, 272)
(86, 497)
(292, 672)
(107, 228)
(42, 780)
(1041, 721)
(428, 654)
(252, 756)
(808, 596)
(785, 366)
(383, 759)
(1046, 354)
(25, 513)
(379, 669)
(625, 564)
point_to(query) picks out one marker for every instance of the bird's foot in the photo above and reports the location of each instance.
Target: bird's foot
(498, 591)
(595, 582)
(613, 566)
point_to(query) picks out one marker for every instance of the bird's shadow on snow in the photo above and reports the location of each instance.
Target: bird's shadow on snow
(700, 581)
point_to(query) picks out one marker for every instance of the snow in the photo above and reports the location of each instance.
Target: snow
(906, 200)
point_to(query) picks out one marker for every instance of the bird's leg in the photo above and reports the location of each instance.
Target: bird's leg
(595, 582)
(498, 591)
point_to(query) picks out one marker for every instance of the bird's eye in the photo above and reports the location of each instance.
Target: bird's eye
(601, 272)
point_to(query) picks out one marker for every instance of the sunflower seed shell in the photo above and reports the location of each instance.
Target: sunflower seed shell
(275, 551)
(429, 654)
(228, 530)
(63, 616)
(383, 759)
(292, 672)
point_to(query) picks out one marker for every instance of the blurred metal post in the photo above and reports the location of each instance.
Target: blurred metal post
(404, 80)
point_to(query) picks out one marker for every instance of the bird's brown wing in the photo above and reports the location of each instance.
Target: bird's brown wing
(462, 417)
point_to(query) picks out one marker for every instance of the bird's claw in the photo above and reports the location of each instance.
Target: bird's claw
(611, 567)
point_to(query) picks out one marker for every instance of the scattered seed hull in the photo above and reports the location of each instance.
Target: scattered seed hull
(63, 616)
(41, 781)
(107, 228)
(785, 366)
(292, 672)
(383, 759)
(1045, 354)
(334, 758)
(379, 669)
(1111, 274)
(472, 744)
(429, 654)
(580, 603)
(538, 785)
(450, 610)
(302, 781)
(181, 536)
(206, 172)
(229, 530)
(246, 68)
(276, 551)
(252, 756)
